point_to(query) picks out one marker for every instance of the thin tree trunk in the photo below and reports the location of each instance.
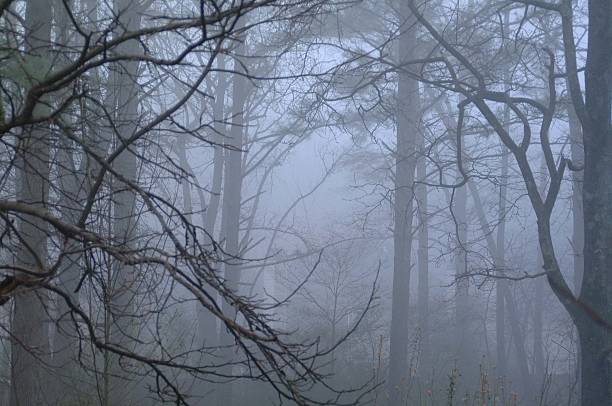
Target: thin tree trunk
(500, 284)
(500, 261)
(518, 337)
(538, 334)
(515, 329)
(463, 318)
(423, 266)
(577, 153)
(218, 158)
(507, 296)
(538, 310)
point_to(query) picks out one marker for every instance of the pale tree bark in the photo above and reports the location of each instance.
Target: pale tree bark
(72, 191)
(69, 177)
(207, 324)
(408, 110)
(465, 351)
(464, 334)
(218, 158)
(518, 337)
(591, 311)
(197, 388)
(181, 151)
(206, 335)
(123, 329)
(511, 310)
(500, 284)
(232, 195)
(75, 182)
(30, 350)
(509, 304)
(494, 251)
(577, 154)
(423, 265)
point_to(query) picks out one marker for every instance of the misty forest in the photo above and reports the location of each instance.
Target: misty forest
(306, 202)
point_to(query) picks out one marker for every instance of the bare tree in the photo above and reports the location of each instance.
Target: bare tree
(95, 229)
(593, 111)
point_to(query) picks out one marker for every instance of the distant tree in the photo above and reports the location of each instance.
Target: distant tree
(101, 254)
(479, 88)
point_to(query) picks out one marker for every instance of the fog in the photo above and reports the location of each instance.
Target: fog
(305, 202)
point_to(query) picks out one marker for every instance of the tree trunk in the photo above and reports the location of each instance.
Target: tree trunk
(408, 103)
(538, 335)
(500, 263)
(500, 260)
(232, 192)
(519, 345)
(596, 289)
(30, 324)
(123, 295)
(595, 365)
(538, 303)
(423, 263)
(577, 153)
(515, 329)
(64, 334)
(466, 358)
(207, 324)
(218, 137)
